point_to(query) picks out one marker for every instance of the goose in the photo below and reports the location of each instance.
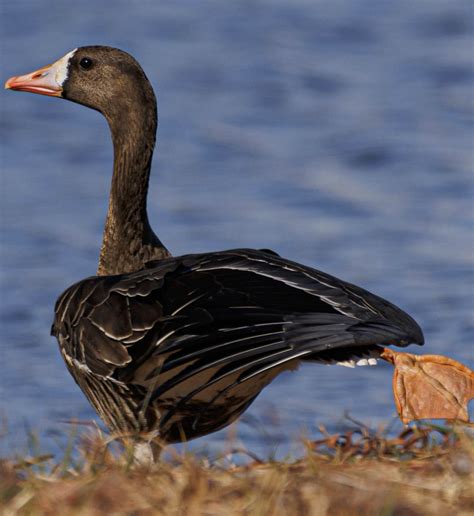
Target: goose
(167, 349)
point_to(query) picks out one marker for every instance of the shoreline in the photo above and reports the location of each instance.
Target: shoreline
(426, 469)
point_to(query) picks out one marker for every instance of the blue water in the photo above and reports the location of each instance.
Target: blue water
(337, 133)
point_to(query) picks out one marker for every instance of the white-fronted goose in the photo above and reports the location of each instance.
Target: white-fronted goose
(171, 348)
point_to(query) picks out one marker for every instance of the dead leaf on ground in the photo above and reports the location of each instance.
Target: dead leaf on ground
(430, 386)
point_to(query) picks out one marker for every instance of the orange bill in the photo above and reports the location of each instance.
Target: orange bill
(48, 80)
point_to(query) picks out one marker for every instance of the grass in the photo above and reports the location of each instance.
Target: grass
(423, 470)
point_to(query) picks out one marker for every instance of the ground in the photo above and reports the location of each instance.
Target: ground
(424, 470)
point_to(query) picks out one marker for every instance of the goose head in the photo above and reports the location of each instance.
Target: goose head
(103, 78)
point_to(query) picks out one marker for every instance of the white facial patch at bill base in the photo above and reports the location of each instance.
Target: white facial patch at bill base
(61, 68)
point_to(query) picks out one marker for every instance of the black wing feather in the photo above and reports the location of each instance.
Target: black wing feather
(195, 329)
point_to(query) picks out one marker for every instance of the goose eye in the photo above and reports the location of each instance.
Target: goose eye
(86, 63)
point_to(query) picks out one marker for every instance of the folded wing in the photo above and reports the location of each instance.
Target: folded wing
(198, 328)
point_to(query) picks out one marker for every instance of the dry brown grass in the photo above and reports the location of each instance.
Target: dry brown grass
(426, 470)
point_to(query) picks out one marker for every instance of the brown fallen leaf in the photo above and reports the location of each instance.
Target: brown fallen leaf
(430, 386)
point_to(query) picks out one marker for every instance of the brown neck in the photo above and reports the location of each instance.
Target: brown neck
(128, 241)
